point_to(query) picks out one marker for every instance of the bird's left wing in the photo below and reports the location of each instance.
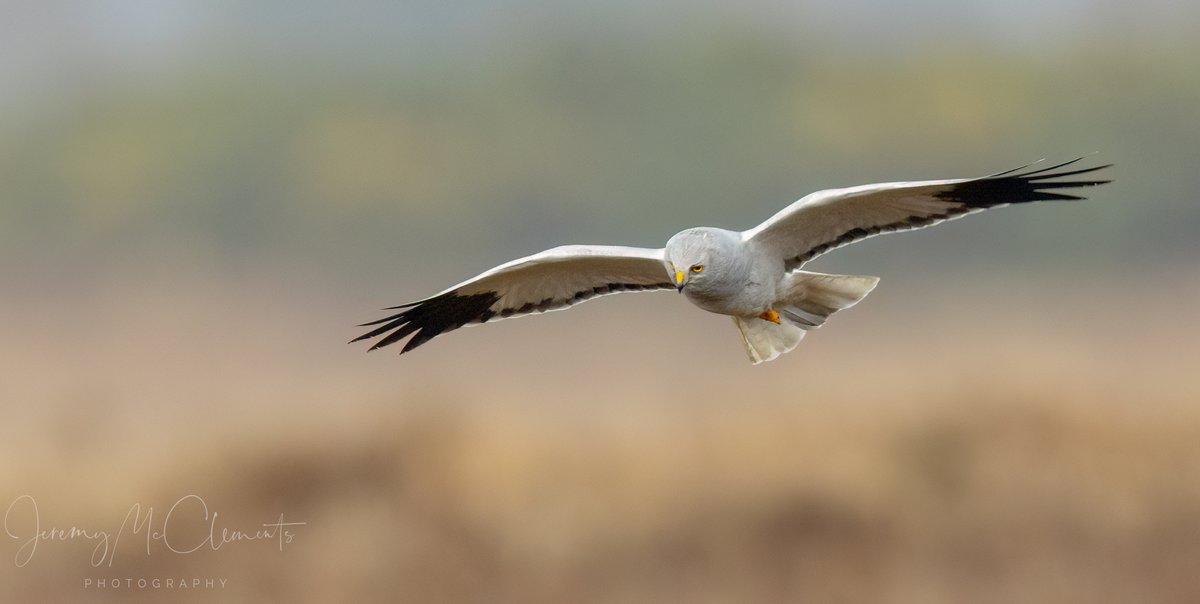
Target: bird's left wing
(829, 219)
(550, 280)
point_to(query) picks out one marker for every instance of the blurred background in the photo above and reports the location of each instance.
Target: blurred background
(200, 199)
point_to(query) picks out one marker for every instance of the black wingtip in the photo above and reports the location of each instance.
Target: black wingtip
(1071, 172)
(400, 306)
(1054, 167)
(1017, 169)
(1023, 185)
(428, 319)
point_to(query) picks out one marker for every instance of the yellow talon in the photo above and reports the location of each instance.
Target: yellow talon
(771, 316)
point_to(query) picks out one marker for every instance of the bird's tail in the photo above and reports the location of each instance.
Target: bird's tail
(805, 301)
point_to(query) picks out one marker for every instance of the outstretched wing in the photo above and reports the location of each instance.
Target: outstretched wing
(551, 280)
(829, 219)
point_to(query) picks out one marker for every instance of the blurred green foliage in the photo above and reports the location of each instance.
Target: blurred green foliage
(555, 136)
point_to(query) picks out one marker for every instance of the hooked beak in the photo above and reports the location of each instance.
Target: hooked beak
(680, 281)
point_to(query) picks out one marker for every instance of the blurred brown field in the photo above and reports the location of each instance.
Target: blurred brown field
(1040, 445)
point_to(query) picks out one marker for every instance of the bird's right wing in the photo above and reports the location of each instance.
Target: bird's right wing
(550, 280)
(829, 219)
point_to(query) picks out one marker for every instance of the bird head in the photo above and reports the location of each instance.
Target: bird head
(692, 256)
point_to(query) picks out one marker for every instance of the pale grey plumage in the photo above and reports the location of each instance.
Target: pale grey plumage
(752, 276)
(739, 277)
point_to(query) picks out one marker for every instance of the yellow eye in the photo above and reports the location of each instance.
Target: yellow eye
(698, 268)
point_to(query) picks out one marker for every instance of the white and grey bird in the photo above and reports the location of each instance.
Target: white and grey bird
(753, 276)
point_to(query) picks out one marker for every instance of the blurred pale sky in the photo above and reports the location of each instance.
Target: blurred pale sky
(64, 47)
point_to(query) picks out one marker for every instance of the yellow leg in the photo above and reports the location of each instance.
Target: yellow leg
(771, 316)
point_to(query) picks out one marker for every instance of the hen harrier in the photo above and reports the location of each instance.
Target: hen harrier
(753, 276)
